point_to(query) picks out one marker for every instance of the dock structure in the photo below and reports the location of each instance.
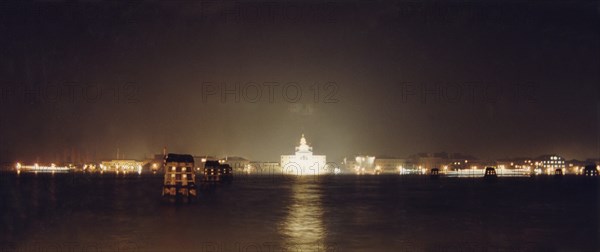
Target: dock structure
(180, 180)
(558, 173)
(490, 173)
(434, 173)
(215, 171)
(590, 171)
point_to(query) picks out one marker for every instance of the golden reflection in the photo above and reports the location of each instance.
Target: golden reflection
(303, 227)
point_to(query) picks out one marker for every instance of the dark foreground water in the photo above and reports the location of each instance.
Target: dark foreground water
(77, 212)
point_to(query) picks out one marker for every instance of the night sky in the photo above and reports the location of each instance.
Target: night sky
(491, 79)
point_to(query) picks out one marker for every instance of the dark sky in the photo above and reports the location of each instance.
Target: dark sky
(492, 79)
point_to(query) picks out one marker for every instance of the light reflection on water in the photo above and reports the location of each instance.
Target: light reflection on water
(303, 227)
(341, 213)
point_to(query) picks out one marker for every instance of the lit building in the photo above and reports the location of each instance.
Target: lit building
(575, 166)
(42, 168)
(360, 164)
(390, 165)
(303, 162)
(157, 162)
(200, 162)
(547, 164)
(238, 164)
(122, 165)
(262, 168)
(521, 165)
(429, 162)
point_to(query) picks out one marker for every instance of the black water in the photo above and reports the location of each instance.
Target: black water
(79, 212)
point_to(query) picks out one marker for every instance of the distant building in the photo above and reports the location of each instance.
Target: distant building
(303, 162)
(156, 164)
(122, 165)
(238, 164)
(263, 168)
(430, 161)
(547, 164)
(204, 158)
(575, 166)
(520, 165)
(390, 165)
(424, 162)
(360, 164)
(200, 162)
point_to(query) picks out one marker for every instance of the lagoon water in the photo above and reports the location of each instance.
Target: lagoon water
(82, 212)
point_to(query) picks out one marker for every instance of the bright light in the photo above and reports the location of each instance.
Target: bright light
(36, 167)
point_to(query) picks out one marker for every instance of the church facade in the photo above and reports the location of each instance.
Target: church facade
(304, 162)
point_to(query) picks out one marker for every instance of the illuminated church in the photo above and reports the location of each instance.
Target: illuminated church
(303, 162)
